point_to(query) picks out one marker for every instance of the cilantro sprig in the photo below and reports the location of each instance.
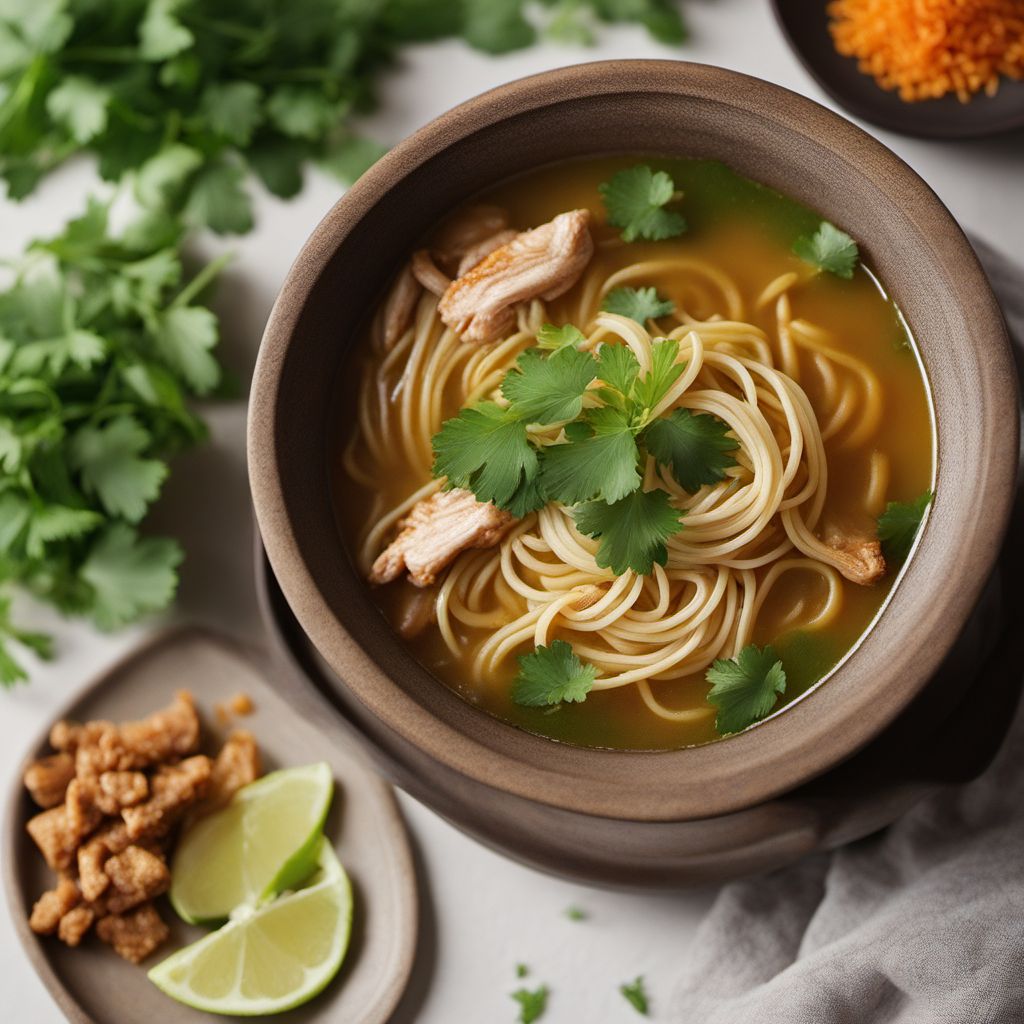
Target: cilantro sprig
(101, 345)
(551, 675)
(532, 1003)
(639, 304)
(898, 526)
(745, 688)
(636, 199)
(828, 249)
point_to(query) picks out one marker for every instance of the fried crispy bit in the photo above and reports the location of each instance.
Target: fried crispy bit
(858, 558)
(74, 924)
(137, 876)
(83, 815)
(171, 733)
(437, 530)
(237, 764)
(399, 307)
(117, 790)
(53, 905)
(64, 736)
(542, 263)
(237, 707)
(172, 789)
(93, 855)
(133, 935)
(55, 840)
(47, 779)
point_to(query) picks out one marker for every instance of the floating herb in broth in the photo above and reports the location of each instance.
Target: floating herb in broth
(736, 238)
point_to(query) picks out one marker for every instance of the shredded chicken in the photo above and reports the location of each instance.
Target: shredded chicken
(399, 307)
(478, 253)
(136, 876)
(542, 263)
(427, 272)
(466, 230)
(53, 905)
(47, 779)
(417, 612)
(133, 935)
(858, 558)
(437, 530)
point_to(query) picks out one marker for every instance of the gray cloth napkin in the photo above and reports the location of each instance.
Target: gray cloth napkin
(920, 924)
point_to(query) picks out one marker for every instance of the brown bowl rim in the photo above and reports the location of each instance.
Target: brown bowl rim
(889, 666)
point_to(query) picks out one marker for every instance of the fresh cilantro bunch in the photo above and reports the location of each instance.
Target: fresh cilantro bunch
(101, 344)
(597, 467)
(191, 95)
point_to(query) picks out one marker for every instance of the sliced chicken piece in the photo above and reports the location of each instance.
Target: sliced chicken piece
(478, 253)
(465, 231)
(542, 263)
(418, 610)
(428, 274)
(858, 558)
(437, 530)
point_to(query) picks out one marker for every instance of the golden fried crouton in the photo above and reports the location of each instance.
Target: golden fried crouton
(171, 733)
(117, 790)
(133, 935)
(64, 736)
(47, 779)
(237, 764)
(55, 840)
(93, 855)
(172, 789)
(137, 876)
(53, 905)
(80, 806)
(74, 924)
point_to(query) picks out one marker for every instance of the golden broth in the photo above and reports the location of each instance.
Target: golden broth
(747, 231)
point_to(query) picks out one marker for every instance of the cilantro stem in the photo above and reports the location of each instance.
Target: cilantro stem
(201, 280)
(102, 54)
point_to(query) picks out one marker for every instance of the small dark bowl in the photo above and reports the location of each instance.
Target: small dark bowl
(805, 25)
(614, 808)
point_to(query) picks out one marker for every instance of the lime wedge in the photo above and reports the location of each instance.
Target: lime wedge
(266, 840)
(271, 958)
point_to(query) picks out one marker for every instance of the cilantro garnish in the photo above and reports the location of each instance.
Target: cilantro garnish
(553, 338)
(632, 530)
(549, 390)
(532, 1004)
(651, 388)
(694, 446)
(898, 525)
(639, 304)
(10, 671)
(485, 449)
(829, 249)
(745, 688)
(522, 970)
(636, 995)
(635, 200)
(552, 675)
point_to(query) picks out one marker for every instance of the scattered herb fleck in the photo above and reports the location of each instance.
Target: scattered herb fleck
(636, 995)
(898, 526)
(522, 970)
(575, 913)
(532, 1003)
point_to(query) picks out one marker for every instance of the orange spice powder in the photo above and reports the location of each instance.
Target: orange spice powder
(928, 48)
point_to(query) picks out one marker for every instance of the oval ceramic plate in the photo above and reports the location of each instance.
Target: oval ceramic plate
(94, 986)
(805, 25)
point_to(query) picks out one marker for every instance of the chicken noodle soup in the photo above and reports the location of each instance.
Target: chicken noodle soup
(640, 448)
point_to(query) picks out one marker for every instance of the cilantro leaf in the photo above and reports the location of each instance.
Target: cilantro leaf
(636, 995)
(549, 390)
(522, 970)
(162, 178)
(218, 200)
(233, 110)
(829, 249)
(348, 159)
(898, 526)
(694, 446)
(497, 26)
(41, 644)
(551, 675)
(80, 104)
(108, 458)
(639, 304)
(54, 522)
(575, 913)
(601, 458)
(633, 530)
(161, 33)
(635, 201)
(745, 688)
(184, 337)
(532, 1004)
(301, 112)
(485, 449)
(555, 338)
(130, 575)
(651, 388)
(619, 368)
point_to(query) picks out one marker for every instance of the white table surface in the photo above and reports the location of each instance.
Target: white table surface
(485, 913)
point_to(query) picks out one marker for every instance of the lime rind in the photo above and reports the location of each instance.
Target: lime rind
(235, 822)
(330, 882)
